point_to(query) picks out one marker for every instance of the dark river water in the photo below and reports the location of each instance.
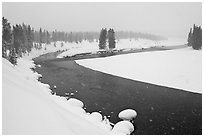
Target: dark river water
(161, 110)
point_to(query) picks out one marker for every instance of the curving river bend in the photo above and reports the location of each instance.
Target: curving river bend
(161, 110)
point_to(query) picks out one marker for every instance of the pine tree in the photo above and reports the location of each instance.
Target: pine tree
(48, 37)
(17, 38)
(102, 39)
(111, 39)
(13, 56)
(189, 37)
(6, 37)
(41, 36)
(199, 38)
(30, 38)
(25, 43)
(44, 36)
(195, 39)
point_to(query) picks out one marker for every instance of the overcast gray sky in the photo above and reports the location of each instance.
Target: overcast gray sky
(167, 19)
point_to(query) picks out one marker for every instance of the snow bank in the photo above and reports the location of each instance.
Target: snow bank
(181, 68)
(172, 42)
(127, 114)
(51, 48)
(29, 108)
(83, 47)
(122, 44)
(145, 43)
(75, 102)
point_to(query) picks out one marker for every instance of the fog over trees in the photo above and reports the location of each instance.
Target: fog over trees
(21, 38)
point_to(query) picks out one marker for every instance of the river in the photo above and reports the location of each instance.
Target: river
(161, 110)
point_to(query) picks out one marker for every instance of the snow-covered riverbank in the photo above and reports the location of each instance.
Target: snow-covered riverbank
(29, 107)
(181, 68)
(123, 44)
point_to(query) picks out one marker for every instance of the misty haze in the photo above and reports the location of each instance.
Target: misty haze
(127, 68)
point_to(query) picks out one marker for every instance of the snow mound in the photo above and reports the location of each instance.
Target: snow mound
(127, 114)
(180, 68)
(123, 128)
(96, 116)
(75, 102)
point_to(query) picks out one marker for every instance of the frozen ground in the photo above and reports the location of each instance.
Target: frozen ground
(125, 44)
(181, 68)
(28, 107)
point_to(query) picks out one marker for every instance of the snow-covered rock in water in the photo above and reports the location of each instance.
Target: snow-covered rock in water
(37, 75)
(127, 114)
(123, 128)
(75, 102)
(38, 65)
(96, 116)
(71, 94)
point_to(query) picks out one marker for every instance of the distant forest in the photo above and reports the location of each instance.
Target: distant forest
(45, 36)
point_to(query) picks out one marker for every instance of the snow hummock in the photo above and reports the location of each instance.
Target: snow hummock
(127, 114)
(96, 116)
(123, 128)
(180, 68)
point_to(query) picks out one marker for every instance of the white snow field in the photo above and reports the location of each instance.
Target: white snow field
(28, 107)
(50, 48)
(125, 44)
(181, 68)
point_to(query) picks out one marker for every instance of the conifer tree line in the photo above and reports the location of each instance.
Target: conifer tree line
(19, 39)
(195, 37)
(107, 36)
